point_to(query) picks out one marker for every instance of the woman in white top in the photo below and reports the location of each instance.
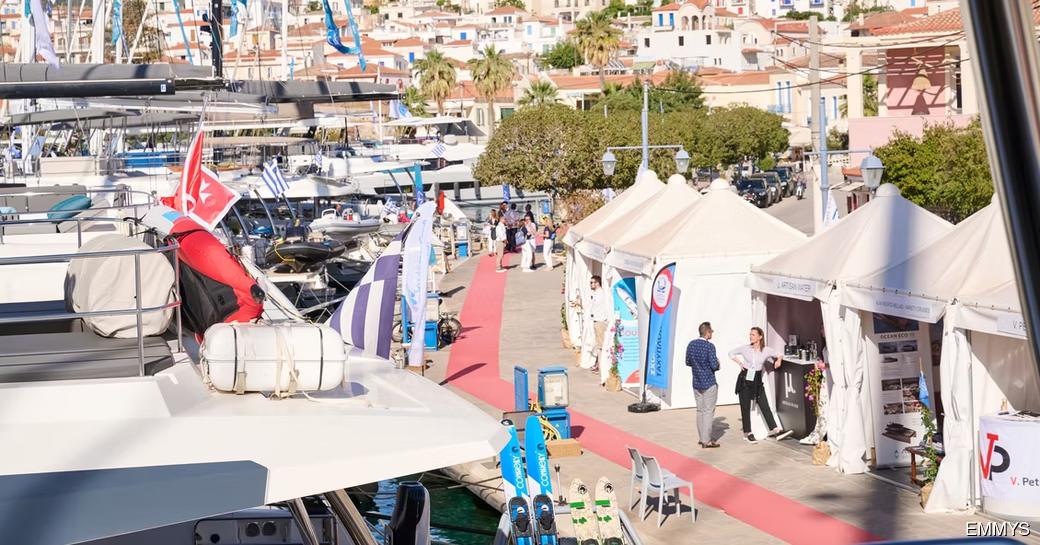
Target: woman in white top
(752, 359)
(500, 244)
(529, 231)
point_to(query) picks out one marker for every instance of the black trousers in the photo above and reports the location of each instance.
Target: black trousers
(511, 239)
(752, 391)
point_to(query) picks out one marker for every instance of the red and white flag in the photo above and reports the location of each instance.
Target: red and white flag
(200, 195)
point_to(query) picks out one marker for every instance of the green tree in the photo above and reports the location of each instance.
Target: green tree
(564, 54)
(518, 4)
(837, 140)
(542, 148)
(492, 73)
(854, 10)
(742, 132)
(598, 40)
(313, 6)
(415, 101)
(540, 93)
(436, 77)
(618, 8)
(870, 98)
(679, 91)
(946, 170)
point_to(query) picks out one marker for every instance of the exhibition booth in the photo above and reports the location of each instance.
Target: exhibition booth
(801, 289)
(578, 268)
(698, 263)
(963, 284)
(669, 205)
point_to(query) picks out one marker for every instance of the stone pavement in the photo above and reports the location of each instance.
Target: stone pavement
(530, 336)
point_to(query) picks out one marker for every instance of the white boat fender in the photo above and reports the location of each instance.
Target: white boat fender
(282, 358)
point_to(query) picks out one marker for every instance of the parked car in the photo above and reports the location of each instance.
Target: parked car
(786, 176)
(773, 181)
(756, 191)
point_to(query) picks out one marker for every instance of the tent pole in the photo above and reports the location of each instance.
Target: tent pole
(972, 475)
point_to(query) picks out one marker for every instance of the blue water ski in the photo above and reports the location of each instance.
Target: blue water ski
(538, 479)
(514, 478)
(520, 521)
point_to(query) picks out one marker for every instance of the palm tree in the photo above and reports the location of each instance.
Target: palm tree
(539, 93)
(492, 73)
(598, 39)
(436, 77)
(415, 101)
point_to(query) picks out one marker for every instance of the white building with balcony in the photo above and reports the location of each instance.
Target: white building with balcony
(691, 34)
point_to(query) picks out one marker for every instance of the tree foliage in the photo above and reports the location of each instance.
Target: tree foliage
(796, 15)
(618, 8)
(598, 40)
(541, 148)
(546, 147)
(679, 91)
(436, 77)
(564, 54)
(540, 93)
(946, 170)
(518, 4)
(854, 10)
(415, 101)
(837, 140)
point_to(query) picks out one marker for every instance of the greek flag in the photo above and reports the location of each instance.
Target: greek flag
(391, 207)
(273, 179)
(318, 159)
(398, 110)
(366, 316)
(438, 150)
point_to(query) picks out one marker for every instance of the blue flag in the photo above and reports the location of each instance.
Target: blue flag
(238, 8)
(117, 22)
(505, 192)
(420, 196)
(659, 342)
(332, 34)
(922, 385)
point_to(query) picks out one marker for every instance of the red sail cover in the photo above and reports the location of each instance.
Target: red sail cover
(215, 287)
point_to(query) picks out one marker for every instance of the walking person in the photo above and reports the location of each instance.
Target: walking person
(489, 231)
(548, 241)
(752, 360)
(512, 220)
(598, 310)
(529, 231)
(500, 244)
(704, 363)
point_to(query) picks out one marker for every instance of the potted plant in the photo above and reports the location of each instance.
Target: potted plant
(616, 350)
(813, 384)
(931, 454)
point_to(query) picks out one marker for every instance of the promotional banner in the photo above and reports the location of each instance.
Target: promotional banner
(420, 196)
(1008, 466)
(415, 269)
(659, 341)
(904, 352)
(626, 325)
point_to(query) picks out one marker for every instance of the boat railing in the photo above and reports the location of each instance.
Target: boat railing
(124, 202)
(138, 310)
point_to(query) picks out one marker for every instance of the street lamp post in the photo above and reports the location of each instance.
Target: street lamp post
(682, 159)
(871, 168)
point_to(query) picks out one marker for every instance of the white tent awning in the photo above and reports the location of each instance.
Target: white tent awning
(646, 186)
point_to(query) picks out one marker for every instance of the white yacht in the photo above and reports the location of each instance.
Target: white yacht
(106, 437)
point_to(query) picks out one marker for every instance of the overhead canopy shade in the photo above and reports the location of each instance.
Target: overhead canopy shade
(316, 91)
(666, 206)
(646, 186)
(974, 257)
(72, 115)
(94, 80)
(886, 230)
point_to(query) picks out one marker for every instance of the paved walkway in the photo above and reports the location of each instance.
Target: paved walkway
(764, 493)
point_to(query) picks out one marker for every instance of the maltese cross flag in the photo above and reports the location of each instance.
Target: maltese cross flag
(200, 195)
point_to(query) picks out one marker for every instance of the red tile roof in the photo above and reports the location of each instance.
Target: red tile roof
(408, 42)
(944, 21)
(883, 19)
(459, 43)
(723, 12)
(923, 10)
(739, 78)
(505, 10)
(668, 7)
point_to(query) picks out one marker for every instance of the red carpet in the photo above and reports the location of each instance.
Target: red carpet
(473, 367)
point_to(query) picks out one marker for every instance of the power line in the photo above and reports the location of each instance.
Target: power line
(806, 41)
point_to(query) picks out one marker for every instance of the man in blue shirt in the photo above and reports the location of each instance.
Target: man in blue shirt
(704, 362)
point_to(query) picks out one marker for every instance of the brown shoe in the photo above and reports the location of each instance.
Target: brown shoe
(712, 444)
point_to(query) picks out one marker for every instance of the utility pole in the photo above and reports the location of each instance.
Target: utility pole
(814, 77)
(645, 165)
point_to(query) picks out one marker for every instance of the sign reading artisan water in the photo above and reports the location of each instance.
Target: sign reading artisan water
(626, 322)
(659, 343)
(1008, 465)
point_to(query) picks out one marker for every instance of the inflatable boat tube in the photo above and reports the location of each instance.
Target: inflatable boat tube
(69, 207)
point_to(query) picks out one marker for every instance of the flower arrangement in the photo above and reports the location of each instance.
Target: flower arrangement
(931, 454)
(813, 383)
(617, 350)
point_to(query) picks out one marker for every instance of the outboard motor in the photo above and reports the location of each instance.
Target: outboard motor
(410, 522)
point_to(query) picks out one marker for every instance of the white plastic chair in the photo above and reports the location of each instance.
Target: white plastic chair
(638, 470)
(659, 482)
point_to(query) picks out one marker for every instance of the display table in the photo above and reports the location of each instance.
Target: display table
(1009, 467)
(916, 451)
(796, 413)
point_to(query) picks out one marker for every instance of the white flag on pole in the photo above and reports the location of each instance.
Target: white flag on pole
(414, 271)
(44, 47)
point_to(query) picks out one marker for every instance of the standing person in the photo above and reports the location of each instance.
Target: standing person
(489, 231)
(528, 214)
(752, 362)
(529, 231)
(512, 219)
(548, 241)
(704, 362)
(598, 310)
(500, 244)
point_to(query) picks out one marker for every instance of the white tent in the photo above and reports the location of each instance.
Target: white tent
(714, 246)
(886, 230)
(969, 276)
(663, 208)
(578, 268)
